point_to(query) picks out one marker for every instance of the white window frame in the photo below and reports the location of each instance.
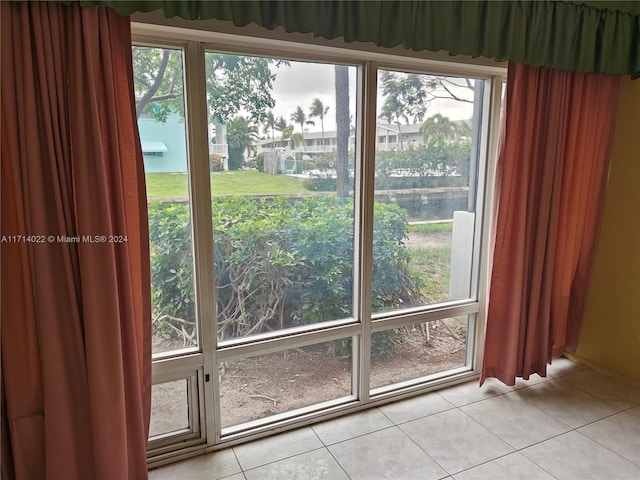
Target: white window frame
(200, 365)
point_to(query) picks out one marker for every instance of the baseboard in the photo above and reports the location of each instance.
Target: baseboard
(599, 368)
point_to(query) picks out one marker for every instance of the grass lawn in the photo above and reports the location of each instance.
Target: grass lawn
(167, 184)
(241, 182)
(433, 265)
(431, 227)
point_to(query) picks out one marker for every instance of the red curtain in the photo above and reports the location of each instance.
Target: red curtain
(76, 353)
(553, 165)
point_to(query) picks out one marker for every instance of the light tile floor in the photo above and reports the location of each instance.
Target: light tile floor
(573, 424)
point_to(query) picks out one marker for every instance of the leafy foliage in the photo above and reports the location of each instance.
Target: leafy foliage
(260, 162)
(439, 125)
(318, 110)
(171, 266)
(440, 162)
(241, 136)
(286, 131)
(158, 82)
(269, 123)
(234, 83)
(437, 158)
(239, 82)
(278, 264)
(300, 118)
(408, 95)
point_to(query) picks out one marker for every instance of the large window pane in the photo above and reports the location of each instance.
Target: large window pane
(425, 186)
(158, 79)
(281, 160)
(262, 386)
(415, 351)
(169, 407)
(283, 139)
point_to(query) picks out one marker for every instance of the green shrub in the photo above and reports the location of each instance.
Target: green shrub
(436, 164)
(236, 157)
(260, 162)
(281, 263)
(324, 161)
(320, 184)
(171, 267)
(216, 164)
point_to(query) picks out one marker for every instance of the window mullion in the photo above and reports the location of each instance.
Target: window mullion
(364, 226)
(196, 113)
(492, 102)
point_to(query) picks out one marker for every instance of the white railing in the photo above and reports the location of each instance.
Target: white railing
(221, 149)
(332, 148)
(320, 148)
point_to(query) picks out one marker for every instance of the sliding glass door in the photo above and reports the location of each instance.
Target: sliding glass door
(316, 225)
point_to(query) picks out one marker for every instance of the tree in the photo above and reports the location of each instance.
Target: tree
(241, 135)
(300, 118)
(286, 131)
(234, 83)
(239, 82)
(416, 91)
(409, 95)
(459, 89)
(319, 110)
(269, 124)
(393, 112)
(158, 82)
(439, 125)
(342, 127)
(406, 93)
(297, 139)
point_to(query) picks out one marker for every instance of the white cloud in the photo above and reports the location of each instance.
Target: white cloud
(301, 82)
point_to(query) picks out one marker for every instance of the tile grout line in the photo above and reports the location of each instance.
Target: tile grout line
(398, 425)
(329, 452)
(336, 460)
(281, 459)
(607, 448)
(424, 451)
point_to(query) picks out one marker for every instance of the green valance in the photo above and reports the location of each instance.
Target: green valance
(583, 36)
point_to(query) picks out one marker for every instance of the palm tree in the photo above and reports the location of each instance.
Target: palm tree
(297, 139)
(241, 135)
(393, 112)
(286, 131)
(319, 110)
(464, 129)
(269, 124)
(300, 118)
(438, 125)
(342, 130)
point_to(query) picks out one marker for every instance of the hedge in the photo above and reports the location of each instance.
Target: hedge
(278, 264)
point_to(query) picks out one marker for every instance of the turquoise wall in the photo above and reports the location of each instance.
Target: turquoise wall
(173, 135)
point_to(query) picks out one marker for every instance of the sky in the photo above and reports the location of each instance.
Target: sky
(301, 82)
(298, 84)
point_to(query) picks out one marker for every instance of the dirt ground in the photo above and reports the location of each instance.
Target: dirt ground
(428, 239)
(258, 387)
(261, 386)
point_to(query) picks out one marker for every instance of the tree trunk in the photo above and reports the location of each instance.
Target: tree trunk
(147, 97)
(342, 125)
